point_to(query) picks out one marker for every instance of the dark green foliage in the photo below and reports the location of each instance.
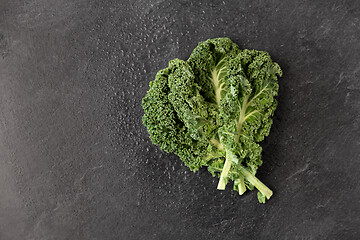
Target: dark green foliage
(214, 108)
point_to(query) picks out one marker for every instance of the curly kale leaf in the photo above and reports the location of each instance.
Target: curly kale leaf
(248, 106)
(209, 63)
(170, 124)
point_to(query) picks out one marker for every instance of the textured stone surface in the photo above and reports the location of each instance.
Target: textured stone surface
(76, 162)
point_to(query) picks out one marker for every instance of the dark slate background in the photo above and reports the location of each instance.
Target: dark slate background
(76, 162)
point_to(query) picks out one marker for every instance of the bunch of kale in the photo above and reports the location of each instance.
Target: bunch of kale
(213, 109)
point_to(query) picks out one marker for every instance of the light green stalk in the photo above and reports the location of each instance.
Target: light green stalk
(256, 182)
(225, 171)
(241, 185)
(230, 157)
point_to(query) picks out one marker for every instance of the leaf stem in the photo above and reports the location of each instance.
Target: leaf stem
(224, 172)
(256, 182)
(230, 157)
(241, 185)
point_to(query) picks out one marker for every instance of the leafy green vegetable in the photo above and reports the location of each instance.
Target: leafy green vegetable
(213, 109)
